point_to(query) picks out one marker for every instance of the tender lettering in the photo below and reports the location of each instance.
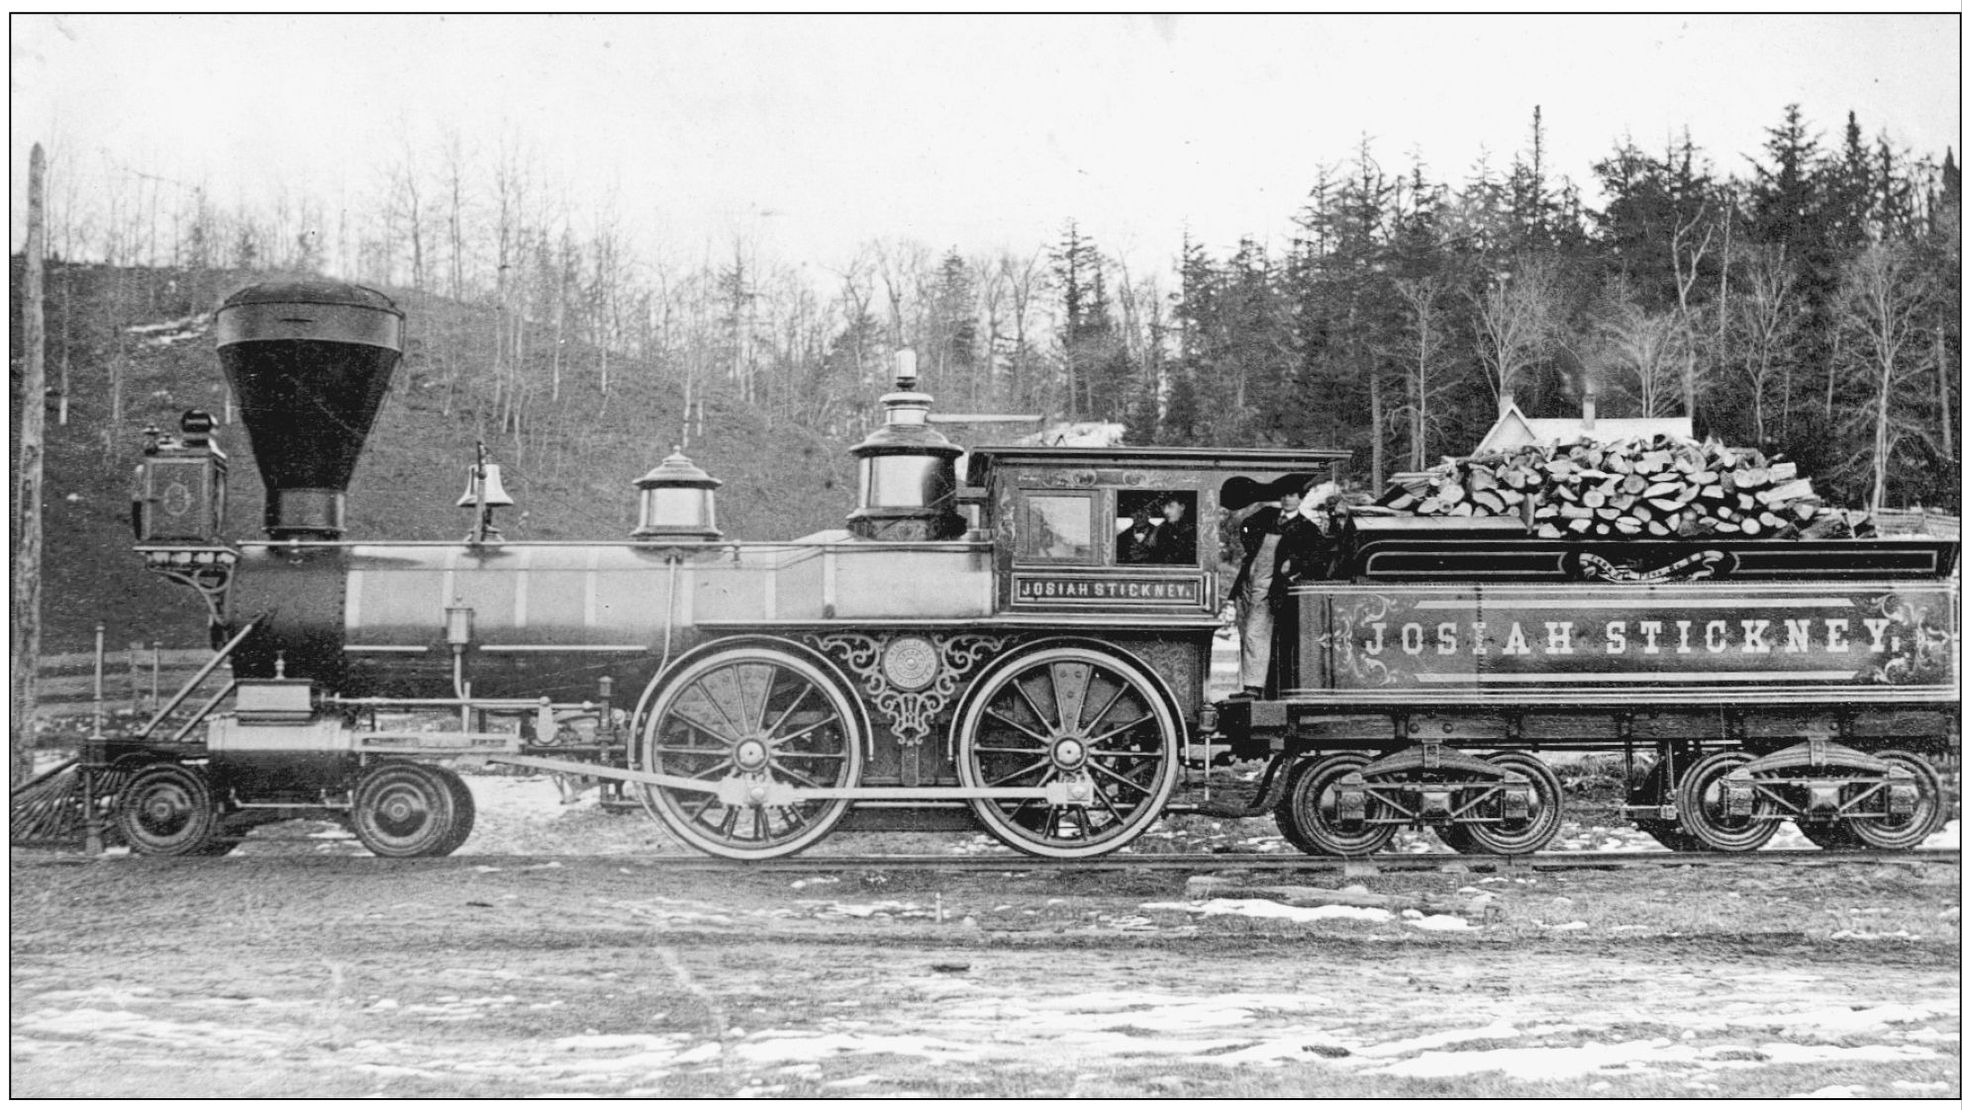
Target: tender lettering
(1560, 637)
(1836, 634)
(1516, 643)
(1716, 636)
(1650, 630)
(1728, 634)
(1754, 638)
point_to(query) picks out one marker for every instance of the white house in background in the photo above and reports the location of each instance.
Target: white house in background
(1515, 429)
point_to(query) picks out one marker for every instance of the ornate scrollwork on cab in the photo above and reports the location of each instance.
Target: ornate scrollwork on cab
(908, 676)
(1059, 479)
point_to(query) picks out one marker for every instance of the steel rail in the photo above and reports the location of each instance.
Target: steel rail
(1279, 861)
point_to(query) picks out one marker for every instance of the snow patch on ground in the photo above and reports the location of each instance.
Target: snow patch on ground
(1259, 907)
(1546, 1062)
(1946, 840)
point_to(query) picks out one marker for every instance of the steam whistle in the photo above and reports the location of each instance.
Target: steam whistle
(484, 496)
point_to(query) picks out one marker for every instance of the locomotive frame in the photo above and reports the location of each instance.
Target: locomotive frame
(982, 649)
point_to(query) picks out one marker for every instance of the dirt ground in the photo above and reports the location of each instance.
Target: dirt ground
(300, 966)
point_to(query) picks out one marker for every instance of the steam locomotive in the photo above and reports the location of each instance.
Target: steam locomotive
(980, 645)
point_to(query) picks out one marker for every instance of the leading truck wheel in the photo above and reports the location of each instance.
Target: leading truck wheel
(1706, 816)
(761, 716)
(1086, 719)
(166, 809)
(466, 810)
(409, 809)
(1905, 830)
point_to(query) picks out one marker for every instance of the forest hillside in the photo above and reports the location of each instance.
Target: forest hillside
(572, 478)
(1807, 307)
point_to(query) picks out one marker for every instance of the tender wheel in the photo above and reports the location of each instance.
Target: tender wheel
(166, 809)
(1520, 836)
(1699, 798)
(1909, 829)
(761, 716)
(1085, 717)
(1312, 810)
(1284, 812)
(407, 809)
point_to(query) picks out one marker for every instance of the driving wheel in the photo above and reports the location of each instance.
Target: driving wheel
(1086, 719)
(752, 717)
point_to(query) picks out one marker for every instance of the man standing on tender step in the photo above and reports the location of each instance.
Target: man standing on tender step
(1276, 542)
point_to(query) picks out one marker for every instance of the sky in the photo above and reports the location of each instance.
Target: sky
(808, 136)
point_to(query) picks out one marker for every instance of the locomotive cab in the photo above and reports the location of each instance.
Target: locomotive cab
(1110, 532)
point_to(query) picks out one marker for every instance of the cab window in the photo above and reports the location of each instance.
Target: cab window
(1060, 527)
(1156, 528)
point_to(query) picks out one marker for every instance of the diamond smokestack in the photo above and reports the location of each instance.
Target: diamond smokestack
(310, 363)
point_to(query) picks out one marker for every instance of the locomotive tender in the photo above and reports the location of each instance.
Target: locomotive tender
(988, 648)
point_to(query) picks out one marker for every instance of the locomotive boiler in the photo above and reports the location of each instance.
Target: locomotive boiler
(986, 646)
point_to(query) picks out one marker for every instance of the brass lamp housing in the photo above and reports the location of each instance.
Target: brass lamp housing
(677, 502)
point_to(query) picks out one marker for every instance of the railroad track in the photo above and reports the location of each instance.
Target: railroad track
(1232, 861)
(1237, 861)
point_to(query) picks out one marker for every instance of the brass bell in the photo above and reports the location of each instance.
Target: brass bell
(494, 495)
(487, 480)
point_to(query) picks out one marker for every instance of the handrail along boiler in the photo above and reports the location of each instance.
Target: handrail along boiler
(995, 647)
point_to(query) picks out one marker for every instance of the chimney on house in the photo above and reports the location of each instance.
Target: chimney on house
(1587, 410)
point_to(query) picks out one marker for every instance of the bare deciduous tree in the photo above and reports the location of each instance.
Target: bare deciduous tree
(1424, 353)
(1651, 351)
(1513, 320)
(1879, 316)
(1689, 241)
(1765, 315)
